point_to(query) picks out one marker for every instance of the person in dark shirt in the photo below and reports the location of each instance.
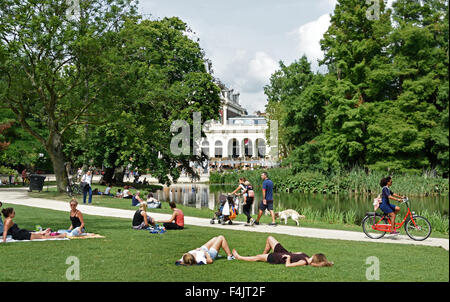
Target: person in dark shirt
(388, 208)
(280, 255)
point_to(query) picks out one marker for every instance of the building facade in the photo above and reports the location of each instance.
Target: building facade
(237, 139)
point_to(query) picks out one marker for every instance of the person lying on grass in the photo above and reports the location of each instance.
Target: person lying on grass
(10, 228)
(141, 220)
(176, 222)
(281, 256)
(207, 253)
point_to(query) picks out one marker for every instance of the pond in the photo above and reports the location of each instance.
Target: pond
(207, 196)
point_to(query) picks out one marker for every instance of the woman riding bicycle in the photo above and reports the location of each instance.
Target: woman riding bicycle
(388, 208)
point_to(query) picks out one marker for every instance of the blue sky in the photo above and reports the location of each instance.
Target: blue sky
(246, 39)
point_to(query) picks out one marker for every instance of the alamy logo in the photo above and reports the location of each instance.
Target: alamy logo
(73, 272)
(373, 12)
(373, 271)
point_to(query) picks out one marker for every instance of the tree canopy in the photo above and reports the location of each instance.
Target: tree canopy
(383, 102)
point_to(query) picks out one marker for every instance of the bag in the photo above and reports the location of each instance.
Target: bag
(251, 193)
(376, 203)
(233, 213)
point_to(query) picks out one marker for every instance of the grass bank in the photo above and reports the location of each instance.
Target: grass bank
(129, 255)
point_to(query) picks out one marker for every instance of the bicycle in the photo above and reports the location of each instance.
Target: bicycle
(375, 225)
(73, 188)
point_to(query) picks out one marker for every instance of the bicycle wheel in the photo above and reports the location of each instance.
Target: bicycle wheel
(77, 189)
(367, 224)
(418, 230)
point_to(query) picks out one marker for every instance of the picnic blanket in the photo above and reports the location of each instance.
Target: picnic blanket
(9, 239)
(82, 236)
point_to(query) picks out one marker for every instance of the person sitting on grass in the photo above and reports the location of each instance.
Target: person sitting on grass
(119, 193)
(137, 200)
(77, 222)
(153, 202)
(281, 256)
(108, 190)
(126, 193)
(141, 220)
(207, 253)
(10, 228)
(176, 222)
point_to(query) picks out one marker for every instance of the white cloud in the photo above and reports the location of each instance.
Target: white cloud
(247, 73)
(309, 35)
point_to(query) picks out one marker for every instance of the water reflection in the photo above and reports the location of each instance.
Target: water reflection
(207, 196)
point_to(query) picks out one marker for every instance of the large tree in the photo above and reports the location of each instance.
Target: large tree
(49, 51)
(157, 75)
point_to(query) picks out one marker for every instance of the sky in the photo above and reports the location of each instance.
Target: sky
(246, 39)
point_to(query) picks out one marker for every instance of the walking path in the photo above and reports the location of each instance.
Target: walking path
(19, 197)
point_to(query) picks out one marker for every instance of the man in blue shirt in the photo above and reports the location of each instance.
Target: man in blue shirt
(267, 202)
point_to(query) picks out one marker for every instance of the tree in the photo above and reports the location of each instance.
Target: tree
(47, 57)
(157, 76)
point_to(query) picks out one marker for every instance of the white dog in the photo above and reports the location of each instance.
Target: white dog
(286, 214)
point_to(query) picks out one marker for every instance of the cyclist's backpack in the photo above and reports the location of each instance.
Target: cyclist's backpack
(376, 203)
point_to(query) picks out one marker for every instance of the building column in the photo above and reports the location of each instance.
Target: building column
(225, 115)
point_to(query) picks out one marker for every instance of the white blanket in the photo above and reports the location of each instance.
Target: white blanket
(9, 239)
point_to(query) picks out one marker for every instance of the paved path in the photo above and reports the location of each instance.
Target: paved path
(19, 196)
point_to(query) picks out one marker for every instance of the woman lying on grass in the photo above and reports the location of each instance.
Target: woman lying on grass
(281, 256)
(10, 228)
(207, 253)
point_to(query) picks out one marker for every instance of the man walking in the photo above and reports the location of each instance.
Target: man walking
(267, 202)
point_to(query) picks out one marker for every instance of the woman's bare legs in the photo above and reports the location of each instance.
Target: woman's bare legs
(46, 236)
(270, 244)
(261, 257)
(217, 243)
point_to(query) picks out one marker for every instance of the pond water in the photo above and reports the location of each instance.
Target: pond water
(207, 196)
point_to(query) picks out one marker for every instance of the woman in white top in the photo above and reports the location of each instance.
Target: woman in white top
(87, 180)
(207, 253)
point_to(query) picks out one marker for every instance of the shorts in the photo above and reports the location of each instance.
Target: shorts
(268, 205)
(277, 256)
(212, 252)
(22, 235)
(387, 208)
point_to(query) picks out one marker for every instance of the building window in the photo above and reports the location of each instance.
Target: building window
(261, 145)
(233, 148)
(205, 148)
(218, 149)
(248, 147)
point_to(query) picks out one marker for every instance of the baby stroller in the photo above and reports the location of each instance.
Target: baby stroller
(228, 209)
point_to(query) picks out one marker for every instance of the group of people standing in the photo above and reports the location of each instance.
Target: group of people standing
(247, 191)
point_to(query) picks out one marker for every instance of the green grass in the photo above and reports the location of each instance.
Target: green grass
(129, 255)
(330, 219)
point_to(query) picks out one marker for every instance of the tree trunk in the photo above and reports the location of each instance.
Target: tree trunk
(55, 151)
(109, 174)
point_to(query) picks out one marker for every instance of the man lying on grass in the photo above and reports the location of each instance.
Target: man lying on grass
(281, 256)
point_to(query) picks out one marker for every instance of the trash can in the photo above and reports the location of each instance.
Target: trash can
(36, 182)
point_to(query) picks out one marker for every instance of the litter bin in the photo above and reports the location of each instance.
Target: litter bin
(36, 182)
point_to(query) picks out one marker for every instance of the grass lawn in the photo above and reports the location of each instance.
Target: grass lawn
(111, 202)
(129, 255)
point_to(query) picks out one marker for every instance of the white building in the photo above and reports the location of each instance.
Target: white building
(237, 139)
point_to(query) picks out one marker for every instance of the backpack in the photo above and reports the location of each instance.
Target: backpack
(376, 202)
